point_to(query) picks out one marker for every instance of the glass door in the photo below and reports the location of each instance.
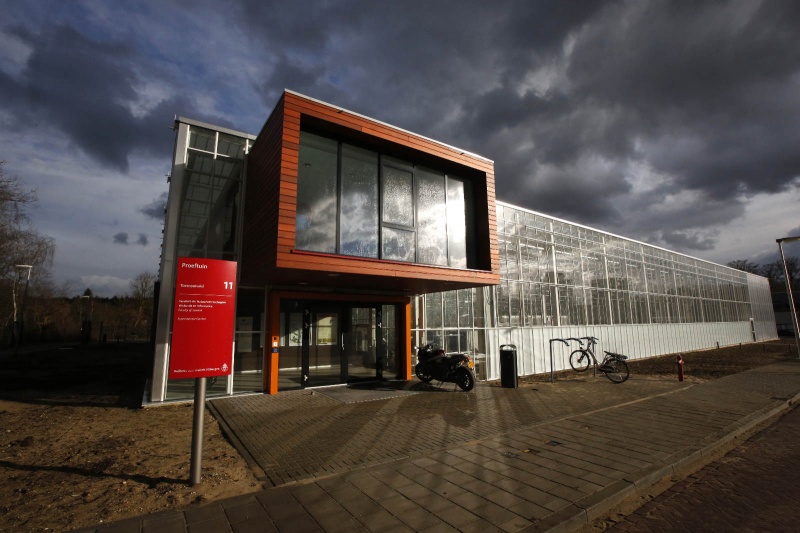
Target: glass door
(322, 349)
(334, 343)
(360, 343)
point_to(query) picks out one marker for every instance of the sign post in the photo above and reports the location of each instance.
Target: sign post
(202, 333)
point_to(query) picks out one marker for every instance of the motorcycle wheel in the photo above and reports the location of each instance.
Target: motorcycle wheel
(423, 372)
(464, 379)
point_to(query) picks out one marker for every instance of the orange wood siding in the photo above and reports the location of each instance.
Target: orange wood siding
(268, 255)
(262, 185)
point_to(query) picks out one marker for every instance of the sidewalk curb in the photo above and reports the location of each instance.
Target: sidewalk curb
(586, 510)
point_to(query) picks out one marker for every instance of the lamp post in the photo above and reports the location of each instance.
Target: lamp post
(21, 321)
(789, 290)
(86, 326)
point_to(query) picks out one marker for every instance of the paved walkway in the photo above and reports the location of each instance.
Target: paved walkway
(543, 457)
(753, 488)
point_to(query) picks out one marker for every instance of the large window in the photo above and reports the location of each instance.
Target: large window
(317, 198)
(362, 203)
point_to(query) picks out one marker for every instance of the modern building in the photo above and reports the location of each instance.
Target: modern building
(356, 241)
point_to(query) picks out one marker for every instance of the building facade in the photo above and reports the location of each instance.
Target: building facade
(356, 241)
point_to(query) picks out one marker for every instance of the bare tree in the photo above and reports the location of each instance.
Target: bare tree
(142, 286)
(25, 255)
(745, 265)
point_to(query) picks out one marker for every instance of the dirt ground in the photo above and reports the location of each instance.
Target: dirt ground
(77, 450)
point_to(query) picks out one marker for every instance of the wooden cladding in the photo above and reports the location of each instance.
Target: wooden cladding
(268, 242)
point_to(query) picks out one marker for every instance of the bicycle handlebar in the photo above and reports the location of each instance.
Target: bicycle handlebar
(574, 339)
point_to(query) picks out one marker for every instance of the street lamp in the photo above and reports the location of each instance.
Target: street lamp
(21, 321)
(86, 326)
(789, 290)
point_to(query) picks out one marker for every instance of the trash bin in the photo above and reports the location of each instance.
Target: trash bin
(508, 366)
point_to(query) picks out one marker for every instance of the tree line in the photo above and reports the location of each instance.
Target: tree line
(33, 308)
(774, 271)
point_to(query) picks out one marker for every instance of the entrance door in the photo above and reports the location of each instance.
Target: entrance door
(322, 350)
(331, 343)
(361, 343)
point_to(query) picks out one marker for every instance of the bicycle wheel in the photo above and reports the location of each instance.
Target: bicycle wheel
(579, 360)
(618, 371)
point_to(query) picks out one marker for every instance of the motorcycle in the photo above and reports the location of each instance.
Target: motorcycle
(454, 368)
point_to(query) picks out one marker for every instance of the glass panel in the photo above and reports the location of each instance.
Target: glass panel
(567, 265)
(433, 310)
(431, 218)
(450, 309)
(398, 197)
(451, 339)
(515, 303)
(248, 359)
(325, 355)
(388, 346)
(456, 223)
(202, 139)
(434, 336)
(231, 146)
(532, 304)
(358, 233)
(477, 308)
(398, 245)
(221, 239)
(362, 353)
(316, 194)
(465, 308)
(502, 302)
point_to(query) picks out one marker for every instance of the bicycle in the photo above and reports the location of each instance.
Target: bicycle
(613, 366)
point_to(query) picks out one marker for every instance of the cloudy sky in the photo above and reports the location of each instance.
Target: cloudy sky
(674, 123)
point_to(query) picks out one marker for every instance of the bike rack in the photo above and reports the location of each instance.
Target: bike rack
(552, 360)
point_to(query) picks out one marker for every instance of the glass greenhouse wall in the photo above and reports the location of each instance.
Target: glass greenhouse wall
(202, 220)
(560, 279)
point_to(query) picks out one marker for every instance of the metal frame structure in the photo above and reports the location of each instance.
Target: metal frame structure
(789, 290)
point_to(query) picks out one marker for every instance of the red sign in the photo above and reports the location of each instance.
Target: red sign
(202, 319)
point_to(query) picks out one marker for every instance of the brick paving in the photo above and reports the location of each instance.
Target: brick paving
(322, 436)
(543, 457)
(752, 488)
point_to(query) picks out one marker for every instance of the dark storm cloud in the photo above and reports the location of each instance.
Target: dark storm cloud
(156, 209)
(124, 239)
(705, 86)
(654, 119)
(86, 89)
(683, 241)
(571, 100)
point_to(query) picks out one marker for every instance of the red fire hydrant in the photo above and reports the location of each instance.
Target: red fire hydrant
(679, 360)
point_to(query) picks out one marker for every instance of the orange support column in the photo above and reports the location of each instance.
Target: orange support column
(272, 355)
(271, 367)
(405, 343)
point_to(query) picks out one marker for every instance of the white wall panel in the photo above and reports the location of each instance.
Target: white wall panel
(637, 341)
